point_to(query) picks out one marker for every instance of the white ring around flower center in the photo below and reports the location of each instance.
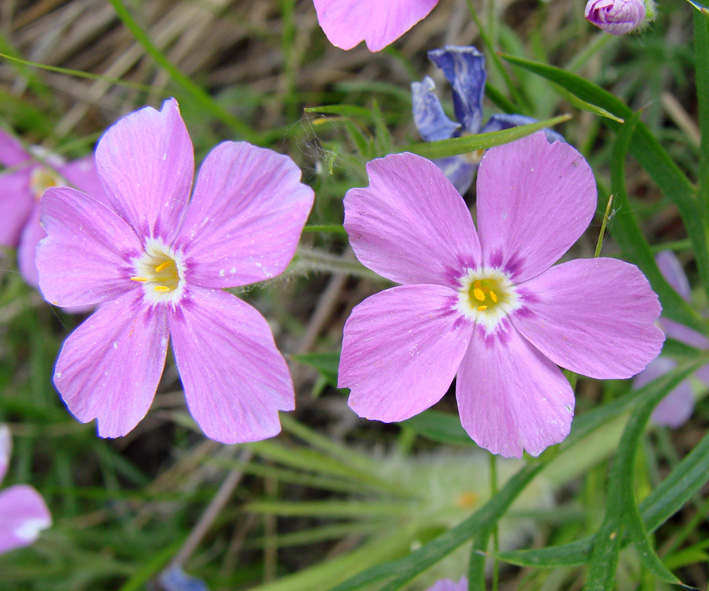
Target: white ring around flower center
(43, 178)
(161, 272)
(487, 296)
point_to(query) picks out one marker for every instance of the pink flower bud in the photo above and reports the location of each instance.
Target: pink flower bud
(616, 17)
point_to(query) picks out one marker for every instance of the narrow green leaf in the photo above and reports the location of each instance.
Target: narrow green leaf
(481, 141)
(701, 48)
(627, 233)
(476, 567)
(700, 7)
(326, 363)
(399, 572)
(344, 110)
(196, 91)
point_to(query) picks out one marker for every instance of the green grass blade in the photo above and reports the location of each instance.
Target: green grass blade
(701, 47)
(481, 141)
(440, 427)
(196, 91)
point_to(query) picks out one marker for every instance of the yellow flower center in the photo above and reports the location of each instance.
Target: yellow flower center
(43, 178)
(487, 296)
(161, 272)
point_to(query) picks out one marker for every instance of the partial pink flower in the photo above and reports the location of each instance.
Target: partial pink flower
(449, 585)
(23, 187)
(675, 409)
(23, 512)
(347, 22)
(155, 262)
(616, 17)
(487, 305)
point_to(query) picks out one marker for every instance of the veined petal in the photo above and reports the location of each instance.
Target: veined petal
(430, 120)
(23, 514)
(410, 224)
(511, 397)
(83, 175)
(16, 202)
(234, 377)
(347, 22)
(5, 450)
(671, 269)
(86, 257)
(110, 366)
(534, 201)
(244, 221)
(675, 408)
(401, 350)
(507, 121)
(31, 235)
(592, 316)
(146, 163)
(12, 152)
(464, 68)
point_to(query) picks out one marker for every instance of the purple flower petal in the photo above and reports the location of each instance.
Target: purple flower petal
(703, 374)
(410, 224)
(16, 202)
(244, 221)
(235, 379)
(675, 408)
(459, 170)
(12, 152)
(593, 316)
(86, 257)
(347, 22)
(449, 585)
(429, 117)
(534, 201)
(5, 450)
(23, 514)
(31, 235)
(679, 332)
(401, 350)
(464, 68)
(510, 397)
(110, 366)
(146, 163)
(671, 269)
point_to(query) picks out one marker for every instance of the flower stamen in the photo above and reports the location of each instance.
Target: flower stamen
(161, 272)
(487, 295)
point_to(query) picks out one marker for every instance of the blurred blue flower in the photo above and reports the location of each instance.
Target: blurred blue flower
(464, 68)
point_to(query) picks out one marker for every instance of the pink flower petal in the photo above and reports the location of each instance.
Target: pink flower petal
(401, 350)
(510, 397)
(5, 450)
(593, 316)
(16, 202)
(235, 379)
(86, 257)
(347, 22)
(83, 175)
(31, 235)
(146, 163)
(23, 514)
(12, 152)
(449, 585)
(679, 332)
(410, 224)
(535, 199)
(244, 221)
(110, 366)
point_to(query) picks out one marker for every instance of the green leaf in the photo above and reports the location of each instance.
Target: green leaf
(701, 46)
(345, 110)
(326, 363)
(481, 141)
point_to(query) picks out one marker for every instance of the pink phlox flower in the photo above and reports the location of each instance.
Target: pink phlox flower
(450, 585)
(23, 512)
(347, 22)
(487, 305)
(676, 408)
(21, 190)
(155, 262)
